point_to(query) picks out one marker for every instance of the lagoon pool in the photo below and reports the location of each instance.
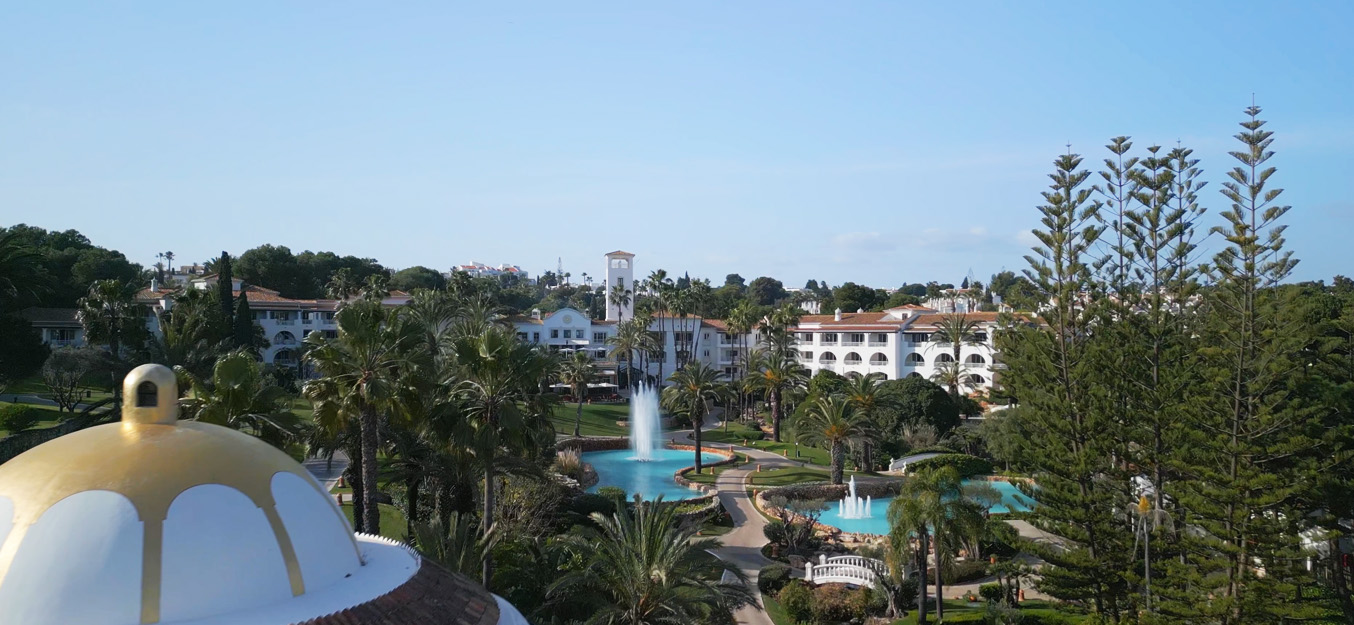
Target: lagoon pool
(1011, 500)
(649, 479)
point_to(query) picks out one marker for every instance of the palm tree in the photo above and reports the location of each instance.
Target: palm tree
(191, 337)
(776, 373)
(660, 300)
(739, 323)
(647, 569)
(362, 373)
(238, 397)
(620, 297)
(832, 422)
(623, 345)
(692, 390)
(862, 392)
(936, 505)
(577, 372)
(956, 330)
(342, 285)
(498, 381)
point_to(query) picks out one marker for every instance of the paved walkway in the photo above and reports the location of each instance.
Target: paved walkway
(328, 473)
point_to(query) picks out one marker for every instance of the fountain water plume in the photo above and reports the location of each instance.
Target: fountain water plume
(645, 430)
(853, 507)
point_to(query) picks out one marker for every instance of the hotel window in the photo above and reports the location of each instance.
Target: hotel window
(829, 338)
(554, 334)
(981, 337)
(917, 337)
(535, 337)
(568, 334)
(806, 337)
(855, 338)
(599, 337)
(880, 338)
(522, 336)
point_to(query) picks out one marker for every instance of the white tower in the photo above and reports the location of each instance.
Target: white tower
(620, 269)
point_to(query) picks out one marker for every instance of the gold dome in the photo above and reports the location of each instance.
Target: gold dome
(150, 458)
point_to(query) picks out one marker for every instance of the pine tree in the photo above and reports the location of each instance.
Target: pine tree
(225, 290)
(1245, 458)
(1071, 444)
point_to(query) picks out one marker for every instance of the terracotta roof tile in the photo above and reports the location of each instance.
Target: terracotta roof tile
(433, 596)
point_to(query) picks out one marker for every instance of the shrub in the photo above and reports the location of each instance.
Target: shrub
(991, 592)
(866, 602)
(612, 493)
(797, 599)
(18, 417)
(589, 503)
(966, 465)
(569, 462)
(772, 578)
(832, 603)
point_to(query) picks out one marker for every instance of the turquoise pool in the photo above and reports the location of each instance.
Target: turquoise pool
(649, 479)
(1011, 499)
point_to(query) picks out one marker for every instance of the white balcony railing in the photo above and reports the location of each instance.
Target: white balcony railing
(284, 322)
(879, 343)
(851, 343)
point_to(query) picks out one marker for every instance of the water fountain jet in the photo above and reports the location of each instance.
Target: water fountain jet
(853, 507)
(645, 430)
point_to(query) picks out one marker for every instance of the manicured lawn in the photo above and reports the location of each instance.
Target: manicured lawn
(960, 610)
(791, 475)
(775, 611)
(301, 408)
(738, 432)
(392, 520)
(96, 387)
(598, 419)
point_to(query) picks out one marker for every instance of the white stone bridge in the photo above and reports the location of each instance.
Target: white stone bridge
(855, 570)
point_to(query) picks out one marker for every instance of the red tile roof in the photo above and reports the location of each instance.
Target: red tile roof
(620, 253)
(433, 596)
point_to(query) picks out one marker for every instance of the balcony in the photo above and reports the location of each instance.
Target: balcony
(852, 343)
(879, 343)
(307, 321)
(284, 322)
(62, 342)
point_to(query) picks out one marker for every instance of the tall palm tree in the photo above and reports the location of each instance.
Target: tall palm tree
(693, 389)
(862, 392)
(647, 569)
(775, 374)
(238, 397)
(936, 505)
(739, 323)
(623, 346)
(342, 285)
(110, 315)
(577, 372)
(497, 379)
(620, 297)
(660, 304)
(956, 330)
(832, 422)
(362, 374)
(191, 336)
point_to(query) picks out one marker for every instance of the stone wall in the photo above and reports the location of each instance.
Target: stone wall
(680, 475)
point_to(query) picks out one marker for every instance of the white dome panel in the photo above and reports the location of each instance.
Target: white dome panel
(323, 543)
(220, 555)
(79, 563)
(6, 518)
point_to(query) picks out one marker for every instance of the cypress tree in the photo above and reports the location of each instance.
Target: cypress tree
(225, 291)
(242, 332)
(1071, 443)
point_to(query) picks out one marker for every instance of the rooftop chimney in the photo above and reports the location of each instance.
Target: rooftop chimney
(154, 285)
(838, 315)
(536, 313)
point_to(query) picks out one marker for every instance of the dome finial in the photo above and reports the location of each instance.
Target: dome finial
(150, 395)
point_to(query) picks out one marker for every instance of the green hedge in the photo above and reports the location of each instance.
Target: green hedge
(18, 417)
(968, 466)
(772, 578)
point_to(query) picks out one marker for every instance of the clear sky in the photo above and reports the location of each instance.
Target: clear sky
(879, 142)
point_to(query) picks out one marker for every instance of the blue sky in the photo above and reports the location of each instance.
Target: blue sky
(878, 142)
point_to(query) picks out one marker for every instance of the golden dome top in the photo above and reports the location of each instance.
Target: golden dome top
(150, 458)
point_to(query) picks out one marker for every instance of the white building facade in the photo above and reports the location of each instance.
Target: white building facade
(897, 343)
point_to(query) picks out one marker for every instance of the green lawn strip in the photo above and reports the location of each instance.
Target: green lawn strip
(598, 419)
(710, 474)
(792, 475)
(775, 611)
(392, 521)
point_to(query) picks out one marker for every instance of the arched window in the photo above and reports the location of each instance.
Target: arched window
(284, 357)
(976, 379)
(284, 338)
(914, 374)
(975, 359)
(944, 358)
(852, 358)
(915, 360)
(879, 359)
(827, 358)
(147, 396)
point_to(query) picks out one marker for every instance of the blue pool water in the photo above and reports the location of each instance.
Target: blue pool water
(1011, 499)
(649, 479)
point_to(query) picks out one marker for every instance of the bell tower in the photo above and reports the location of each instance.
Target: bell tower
(620, 270)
